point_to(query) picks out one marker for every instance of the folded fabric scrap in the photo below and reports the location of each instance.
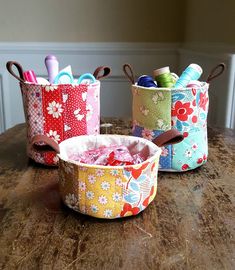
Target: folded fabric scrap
(114, 155)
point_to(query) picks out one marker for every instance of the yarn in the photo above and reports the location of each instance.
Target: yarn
(146, 81)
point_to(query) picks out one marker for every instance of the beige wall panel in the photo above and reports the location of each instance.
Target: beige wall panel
(92, 20)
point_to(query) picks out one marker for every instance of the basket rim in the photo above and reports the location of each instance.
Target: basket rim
(204, 85)
(95, 166)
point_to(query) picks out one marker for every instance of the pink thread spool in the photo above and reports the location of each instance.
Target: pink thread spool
(194, 84)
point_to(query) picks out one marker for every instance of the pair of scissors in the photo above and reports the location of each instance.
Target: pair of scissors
(99, 73)
(86, 76)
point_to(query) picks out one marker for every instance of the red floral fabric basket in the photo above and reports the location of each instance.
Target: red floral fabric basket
(59, 111)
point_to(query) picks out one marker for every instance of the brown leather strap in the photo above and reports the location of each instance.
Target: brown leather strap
(48, 146)
(171, 136)
(101, 72)
(127, 69)
(215, 72)
(9, 67)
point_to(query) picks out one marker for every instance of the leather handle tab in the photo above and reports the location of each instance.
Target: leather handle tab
(9, 66)
(127, 69)
(171, 136)
(102, 72)
(48, 146)
(215, 72)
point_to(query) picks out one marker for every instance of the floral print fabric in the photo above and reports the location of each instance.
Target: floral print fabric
(108, 192)
(189, 116)
(151, 108)
(60, 112)
(191, 152)
(93, 108)
(188, 110)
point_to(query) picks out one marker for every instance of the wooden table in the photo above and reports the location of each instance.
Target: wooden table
(190, 224)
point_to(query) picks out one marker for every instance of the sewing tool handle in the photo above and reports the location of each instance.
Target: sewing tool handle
(52, 66)
(62, 74)
(9, 66)
(127, 69)
(101, 72)
(215, 72)
(88, 77)
(171, 136)
(49, 144)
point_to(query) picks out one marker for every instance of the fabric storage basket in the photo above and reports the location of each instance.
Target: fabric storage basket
(155, 110)
(107, 191)
(59, 111)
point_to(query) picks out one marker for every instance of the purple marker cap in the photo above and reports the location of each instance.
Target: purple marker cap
(50, 57)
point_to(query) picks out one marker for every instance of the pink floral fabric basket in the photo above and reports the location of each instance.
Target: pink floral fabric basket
(59, 111)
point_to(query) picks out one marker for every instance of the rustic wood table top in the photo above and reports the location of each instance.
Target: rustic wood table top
(189, 225)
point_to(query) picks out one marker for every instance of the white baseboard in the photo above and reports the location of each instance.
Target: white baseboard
(115, 90)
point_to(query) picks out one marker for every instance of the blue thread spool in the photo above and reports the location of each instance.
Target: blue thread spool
(146, 81)
(192, 72)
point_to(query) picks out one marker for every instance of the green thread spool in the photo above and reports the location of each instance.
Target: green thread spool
(164, 77)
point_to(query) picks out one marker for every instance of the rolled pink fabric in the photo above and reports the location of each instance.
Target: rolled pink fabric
(30, 76)
(114, 155)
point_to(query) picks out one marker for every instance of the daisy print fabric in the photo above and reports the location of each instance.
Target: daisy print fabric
(110, 192)
(60, 112)
(101, 197)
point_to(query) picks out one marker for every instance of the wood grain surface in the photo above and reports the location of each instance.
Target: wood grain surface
(189, 225)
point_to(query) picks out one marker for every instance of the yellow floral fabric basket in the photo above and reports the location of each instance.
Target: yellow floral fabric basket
(106, 191)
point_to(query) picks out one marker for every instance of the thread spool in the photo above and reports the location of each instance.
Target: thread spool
(194, 84)
(164, 77)
(146, 81)
(192, 72)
